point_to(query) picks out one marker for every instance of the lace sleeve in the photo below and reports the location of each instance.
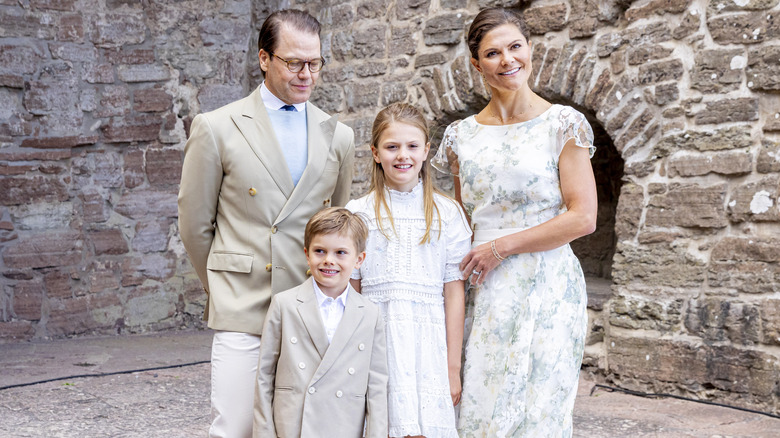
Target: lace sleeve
(573, 125)
(446, 159)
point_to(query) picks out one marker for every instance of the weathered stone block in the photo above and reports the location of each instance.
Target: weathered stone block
(755, 201)
(58, 284)
(110, 241)
(715, 7)
(658, 264)
(744, 28)
(41, 216)
(646, 312)
(18, 22)
(28, 300)
(56, 90)
(629, 211)
(57, 5)
(718, 319)
(149, 306)
(689, 24)
(114, 101)
(643, 54)
(74, 52)
(117, 30)
(640, 129)
(743, 109)
(71, 28)
(59, 142)
(103, 276)
(583, 18)
(45, 250)
(328, 97)
(768, 157)
(163, 166)
(543, 19)
(405, 9)
(93, 206)
(371, 68)
(710, 74)
(735, 137)
(99, 74)
(724, 368)
(140, 203)
(658, 7)
(230, 33)
(143, 73)
(151, 236)
(403, 41)
(599, 90)
(445, 29)
(393, 92)
(428, 59)
(750, 249)
(763, 68)
(688, 205)
(666, 93)
(724, 163)
(752, 277)
(129, 56)
(132, 129)
(135, 270)
(16, 331)
(69, 316)
(662, 71)
(213, 96)
(362, 95)
(618, 121)
(546, 69)
(15, 190)
(152, 100)
(770, 321)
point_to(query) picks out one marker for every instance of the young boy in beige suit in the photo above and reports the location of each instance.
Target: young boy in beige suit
(322, 370)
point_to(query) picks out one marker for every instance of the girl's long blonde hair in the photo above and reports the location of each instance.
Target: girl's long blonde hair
(402, 113)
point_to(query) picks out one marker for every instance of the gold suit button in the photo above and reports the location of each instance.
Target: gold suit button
(274, 230)
(268, 267)
(252, 191)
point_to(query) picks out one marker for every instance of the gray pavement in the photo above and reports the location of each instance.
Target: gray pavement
(174, 402)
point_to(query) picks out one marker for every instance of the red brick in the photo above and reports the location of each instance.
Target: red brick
(22, 190)
(57, 5)
(59, 142)
(58, 284)
(71, 28)
(140, 203)
(133, 169)
(15, 331)
(163, 166)
(110, 241)
(28, 297)
(124, 56)
(93, 206)
(45, 250)
(54, 154)
(131, 130)
(70, 316)
(152, 100)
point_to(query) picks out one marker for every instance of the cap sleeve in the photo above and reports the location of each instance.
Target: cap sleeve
(458, 235)
(573, 125)
(446, 159)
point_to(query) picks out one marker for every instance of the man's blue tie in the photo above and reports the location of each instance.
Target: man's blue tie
(287, 108)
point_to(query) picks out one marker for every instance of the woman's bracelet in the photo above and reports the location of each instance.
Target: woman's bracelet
(495, 251)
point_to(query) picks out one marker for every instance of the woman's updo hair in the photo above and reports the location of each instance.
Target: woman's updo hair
(489, 19)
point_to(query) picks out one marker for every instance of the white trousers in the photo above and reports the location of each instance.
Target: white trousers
(234, 359)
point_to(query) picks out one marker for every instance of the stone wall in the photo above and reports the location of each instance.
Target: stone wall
(685, 94)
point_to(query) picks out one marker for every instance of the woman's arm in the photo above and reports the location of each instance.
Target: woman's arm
(454, 315)
(578, 187)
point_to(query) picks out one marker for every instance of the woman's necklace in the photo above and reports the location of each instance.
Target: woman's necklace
(512, 117)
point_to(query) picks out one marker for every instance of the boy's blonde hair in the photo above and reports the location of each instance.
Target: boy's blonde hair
(402, 113)
(337, 220)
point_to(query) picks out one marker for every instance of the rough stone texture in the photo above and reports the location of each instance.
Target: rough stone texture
(98, 97)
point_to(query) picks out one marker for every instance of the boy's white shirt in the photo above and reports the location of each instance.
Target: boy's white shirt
(331, 309)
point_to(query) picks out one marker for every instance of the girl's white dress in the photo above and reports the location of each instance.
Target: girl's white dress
(528, 319)
(406, 280)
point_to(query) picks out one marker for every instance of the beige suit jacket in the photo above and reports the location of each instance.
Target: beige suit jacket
(240, 217)
(307, 388)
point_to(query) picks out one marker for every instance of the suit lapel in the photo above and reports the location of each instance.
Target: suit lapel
(353, 315)
(309, 311)
(255, 126)
(321, 129)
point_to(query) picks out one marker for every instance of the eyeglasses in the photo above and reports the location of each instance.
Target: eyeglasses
(295, 65)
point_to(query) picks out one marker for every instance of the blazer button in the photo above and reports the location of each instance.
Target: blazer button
(361, 347)
(351, 371)
(339, 394)
(252, 191)
(294, 340)
(301, 365)
(268, 267)
(312, 390)
(326, 202)
(274, 230)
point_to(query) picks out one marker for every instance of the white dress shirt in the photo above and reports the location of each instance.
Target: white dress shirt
(331, 309)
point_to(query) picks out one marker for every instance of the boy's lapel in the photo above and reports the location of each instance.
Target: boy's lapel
(353, 314)
(309, 311)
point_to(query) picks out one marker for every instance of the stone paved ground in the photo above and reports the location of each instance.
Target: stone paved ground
(174, 402)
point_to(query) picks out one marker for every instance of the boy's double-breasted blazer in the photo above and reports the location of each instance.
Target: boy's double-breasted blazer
(307, 388)
(241, 219)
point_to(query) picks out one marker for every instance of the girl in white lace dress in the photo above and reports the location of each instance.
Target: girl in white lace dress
(525, 178)
(417, 238)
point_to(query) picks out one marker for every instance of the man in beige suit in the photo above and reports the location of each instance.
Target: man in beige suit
(323, 367)
(254, 172)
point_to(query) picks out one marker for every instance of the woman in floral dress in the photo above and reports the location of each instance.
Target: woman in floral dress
(523, 175)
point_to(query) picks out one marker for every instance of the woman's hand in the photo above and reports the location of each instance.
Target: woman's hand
(478, 262)
(455, 387)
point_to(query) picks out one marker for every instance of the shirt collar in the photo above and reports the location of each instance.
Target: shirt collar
(274, 103)
(321, 297)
